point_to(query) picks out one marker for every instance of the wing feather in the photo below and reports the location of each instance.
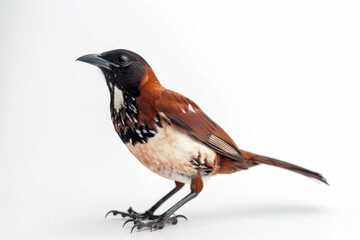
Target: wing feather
(184, 114)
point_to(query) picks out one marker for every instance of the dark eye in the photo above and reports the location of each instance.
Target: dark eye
(122, 60)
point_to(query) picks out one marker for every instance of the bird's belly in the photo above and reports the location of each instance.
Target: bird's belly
(171, 154)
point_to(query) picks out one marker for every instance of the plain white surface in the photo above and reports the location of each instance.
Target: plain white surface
(281, 77)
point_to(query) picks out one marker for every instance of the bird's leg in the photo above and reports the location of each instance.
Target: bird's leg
(149, 214)
(167, 217)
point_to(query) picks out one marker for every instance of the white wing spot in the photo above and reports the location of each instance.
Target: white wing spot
(162, 114)
(183, 110)
(191, 108)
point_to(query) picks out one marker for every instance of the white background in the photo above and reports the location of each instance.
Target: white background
(281, 77)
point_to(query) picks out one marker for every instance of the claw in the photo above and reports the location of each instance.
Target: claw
(159, 223)
(181, 216)
(112, 211)
(127, 221)
(138, 225)
(132, 229)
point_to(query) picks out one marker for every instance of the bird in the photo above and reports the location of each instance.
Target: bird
(169, 134)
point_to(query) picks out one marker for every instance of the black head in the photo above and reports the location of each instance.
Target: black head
(122, 69)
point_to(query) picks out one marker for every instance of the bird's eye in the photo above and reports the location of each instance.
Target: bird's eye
(122, 60)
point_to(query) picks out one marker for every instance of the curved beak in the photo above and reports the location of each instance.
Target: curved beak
(96, 60)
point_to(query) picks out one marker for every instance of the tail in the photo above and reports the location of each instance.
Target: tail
(277, 163)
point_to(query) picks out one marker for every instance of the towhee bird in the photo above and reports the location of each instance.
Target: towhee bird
(169, 134)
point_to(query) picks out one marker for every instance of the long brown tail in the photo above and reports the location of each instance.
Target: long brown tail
(274, 162)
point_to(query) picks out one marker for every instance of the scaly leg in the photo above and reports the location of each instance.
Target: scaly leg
(167, 217)
(149, 214)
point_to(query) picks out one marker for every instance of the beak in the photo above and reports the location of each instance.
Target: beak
(96, 60)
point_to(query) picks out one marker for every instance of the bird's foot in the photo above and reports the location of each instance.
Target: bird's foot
(159, 222)
(133, 214)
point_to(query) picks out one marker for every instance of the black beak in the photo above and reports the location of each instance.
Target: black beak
(96, 60)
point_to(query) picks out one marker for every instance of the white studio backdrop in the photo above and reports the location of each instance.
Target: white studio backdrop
(281, 77)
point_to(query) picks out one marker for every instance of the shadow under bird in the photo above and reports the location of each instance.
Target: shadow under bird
(169, 134)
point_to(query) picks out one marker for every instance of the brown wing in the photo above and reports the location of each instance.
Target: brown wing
(190, 119)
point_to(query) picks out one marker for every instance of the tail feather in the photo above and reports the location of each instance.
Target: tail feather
(288, 166)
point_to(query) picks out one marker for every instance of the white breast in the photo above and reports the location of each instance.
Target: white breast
(169, 153)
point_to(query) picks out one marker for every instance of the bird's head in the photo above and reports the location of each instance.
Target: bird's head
(122, 68)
